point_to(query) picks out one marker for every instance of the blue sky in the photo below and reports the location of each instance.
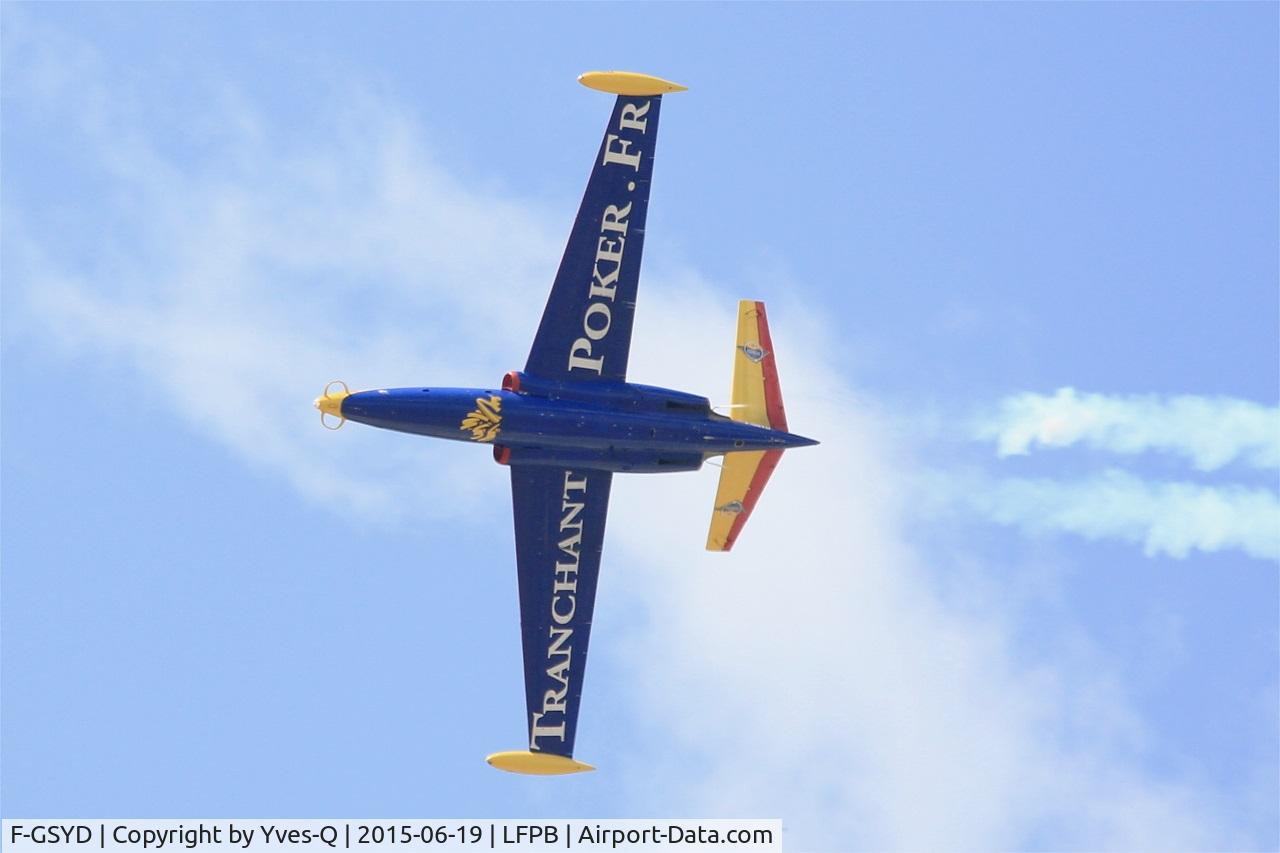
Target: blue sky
(986, 612)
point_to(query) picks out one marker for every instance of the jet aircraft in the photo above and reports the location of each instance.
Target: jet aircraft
(570, 420)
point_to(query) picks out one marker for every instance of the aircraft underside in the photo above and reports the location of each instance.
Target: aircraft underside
(570, 420)
(539, 430)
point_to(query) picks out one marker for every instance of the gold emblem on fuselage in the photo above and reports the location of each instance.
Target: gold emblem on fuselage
(486, 421)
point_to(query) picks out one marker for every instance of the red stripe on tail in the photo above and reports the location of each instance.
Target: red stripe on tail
(767, 463)
(772, 390)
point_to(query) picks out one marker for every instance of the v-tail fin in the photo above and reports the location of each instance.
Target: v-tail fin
(757, 399)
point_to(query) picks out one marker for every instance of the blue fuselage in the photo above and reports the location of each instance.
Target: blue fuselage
(613, 426)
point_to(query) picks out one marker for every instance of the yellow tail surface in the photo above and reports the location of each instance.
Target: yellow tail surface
(757, 399)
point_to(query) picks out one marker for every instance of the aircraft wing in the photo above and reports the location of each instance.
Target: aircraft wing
(585, 332)
(559, 521)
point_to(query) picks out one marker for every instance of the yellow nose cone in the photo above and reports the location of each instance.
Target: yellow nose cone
(330, 402)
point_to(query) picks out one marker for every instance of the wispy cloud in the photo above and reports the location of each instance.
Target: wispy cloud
(875, 716)
(865, 711)
(255, 277)
(1211, 432)
(1165, 518)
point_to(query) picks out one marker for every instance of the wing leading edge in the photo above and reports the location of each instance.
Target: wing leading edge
(559, 524)
(585, 332)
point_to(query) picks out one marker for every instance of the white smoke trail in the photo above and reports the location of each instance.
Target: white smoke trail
(1165, 518)
(1210, 431)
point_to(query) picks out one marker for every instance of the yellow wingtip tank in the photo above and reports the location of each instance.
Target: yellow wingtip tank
(536, 763)
(628, 83)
